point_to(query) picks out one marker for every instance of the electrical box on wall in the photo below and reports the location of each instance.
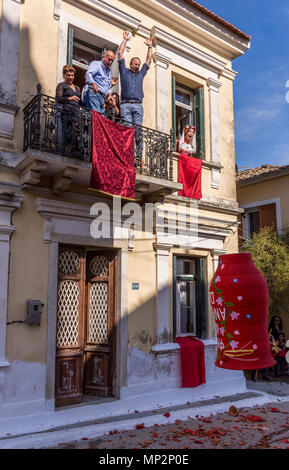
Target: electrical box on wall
(34, 308)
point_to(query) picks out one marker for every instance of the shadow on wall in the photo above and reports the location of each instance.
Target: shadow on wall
(26, 87)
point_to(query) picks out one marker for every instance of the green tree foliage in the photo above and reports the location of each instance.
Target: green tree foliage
(271, 256)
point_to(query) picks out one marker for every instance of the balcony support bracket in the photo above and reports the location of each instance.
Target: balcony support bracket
(62, 181)
(32, 173)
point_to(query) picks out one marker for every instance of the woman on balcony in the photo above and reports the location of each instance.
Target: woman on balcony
(68, 95)
(187, 143)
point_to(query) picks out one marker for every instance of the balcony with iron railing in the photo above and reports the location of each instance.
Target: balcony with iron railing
(58, 144)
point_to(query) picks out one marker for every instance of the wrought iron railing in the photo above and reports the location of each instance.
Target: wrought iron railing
(66, 130)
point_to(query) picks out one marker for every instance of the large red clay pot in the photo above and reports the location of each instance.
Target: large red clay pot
(239, 298)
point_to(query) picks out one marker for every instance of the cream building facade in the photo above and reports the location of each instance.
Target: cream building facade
(111, 307)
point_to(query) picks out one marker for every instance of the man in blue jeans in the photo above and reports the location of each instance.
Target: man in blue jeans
(132, 83)
(98, 82)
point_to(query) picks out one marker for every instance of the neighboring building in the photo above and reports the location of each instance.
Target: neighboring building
(263, 193)
(111, 308)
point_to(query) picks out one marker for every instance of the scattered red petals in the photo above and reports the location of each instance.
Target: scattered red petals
(140, 426)
(115, 431)
(167, 415)
(253, 418)
(274, 410)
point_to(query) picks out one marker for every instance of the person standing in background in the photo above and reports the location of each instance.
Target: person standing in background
(98, 82)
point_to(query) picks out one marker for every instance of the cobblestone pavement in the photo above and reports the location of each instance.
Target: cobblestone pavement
(261, 427)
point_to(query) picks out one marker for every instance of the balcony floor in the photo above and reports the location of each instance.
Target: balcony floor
(35, 163)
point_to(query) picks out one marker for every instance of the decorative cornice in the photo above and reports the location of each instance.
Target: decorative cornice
(228, 73)
(161, 37)
(213, 85)
(161, 60)
(10, 201)
(52, 208)
(8, 107)
(202, 26)
(110, 11)
(162, 248)
(210, 204)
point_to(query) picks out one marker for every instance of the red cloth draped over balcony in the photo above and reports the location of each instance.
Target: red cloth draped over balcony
(192, 361)
(190, 175)
(112, 157)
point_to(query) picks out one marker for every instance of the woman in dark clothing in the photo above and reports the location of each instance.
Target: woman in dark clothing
(68, 95)
(275, 326)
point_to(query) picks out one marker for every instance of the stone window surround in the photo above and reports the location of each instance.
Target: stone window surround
(254, 205)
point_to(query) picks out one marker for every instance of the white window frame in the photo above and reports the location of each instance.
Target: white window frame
(252, 206)
(190, 107)
(178, 312)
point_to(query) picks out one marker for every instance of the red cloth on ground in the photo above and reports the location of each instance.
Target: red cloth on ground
(190, 175)
(112, 157)
(192, 361)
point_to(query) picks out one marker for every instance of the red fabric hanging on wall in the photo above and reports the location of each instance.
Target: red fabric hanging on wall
(190, 175)
(192, 361)
(112, 157)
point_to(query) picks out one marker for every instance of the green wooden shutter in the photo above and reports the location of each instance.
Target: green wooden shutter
(199, 121)
(174, 126)
(69, 45)
(201, 320)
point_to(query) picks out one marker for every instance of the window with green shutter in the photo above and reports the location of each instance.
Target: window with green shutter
(188, 108)
(80, 54)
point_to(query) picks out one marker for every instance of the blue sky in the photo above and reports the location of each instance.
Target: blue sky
(261, 109)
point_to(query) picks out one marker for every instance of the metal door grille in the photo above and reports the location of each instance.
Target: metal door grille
(99, 266)
(69, 262)
(68, 314)
(98, 303)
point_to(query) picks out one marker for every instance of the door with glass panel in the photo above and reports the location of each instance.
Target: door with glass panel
(185, 297)
(189, 294)
(85, 328)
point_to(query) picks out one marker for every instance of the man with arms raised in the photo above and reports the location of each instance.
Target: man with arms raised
(132, 82)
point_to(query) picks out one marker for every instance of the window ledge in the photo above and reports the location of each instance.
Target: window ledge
(164, 348)
(4, 363)
(174, 347)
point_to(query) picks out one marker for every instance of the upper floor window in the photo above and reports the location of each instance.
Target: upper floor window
(82, 49)
(188, 108)
(82, 55)
(184, 104)
(254, 219)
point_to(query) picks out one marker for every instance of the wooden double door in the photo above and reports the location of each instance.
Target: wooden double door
(85, 329)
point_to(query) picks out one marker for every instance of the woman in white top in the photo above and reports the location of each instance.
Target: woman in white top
(187, 143)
